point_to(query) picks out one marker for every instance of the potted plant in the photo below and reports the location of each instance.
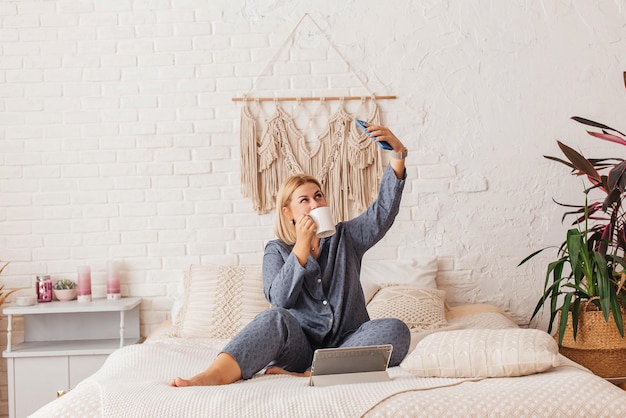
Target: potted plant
(64, 289)
(4, 295)
(589, 274)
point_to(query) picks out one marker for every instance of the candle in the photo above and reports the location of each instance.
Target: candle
(113, 281)
(84, 284)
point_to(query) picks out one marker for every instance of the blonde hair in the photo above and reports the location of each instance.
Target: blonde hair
(284, 228)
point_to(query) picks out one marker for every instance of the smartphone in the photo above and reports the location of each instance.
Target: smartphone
(383, 144)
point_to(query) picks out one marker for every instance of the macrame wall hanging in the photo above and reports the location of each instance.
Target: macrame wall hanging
(347, 163)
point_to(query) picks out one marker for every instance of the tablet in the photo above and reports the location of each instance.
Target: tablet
(334, 366)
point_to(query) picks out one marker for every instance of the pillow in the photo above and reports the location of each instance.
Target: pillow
(369, 289)
(422, 272)
(218, 301)
(483, 353)
(418, 307)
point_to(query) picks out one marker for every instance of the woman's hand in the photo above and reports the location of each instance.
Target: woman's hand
(382, 133)
(305, 229)
(305, 232)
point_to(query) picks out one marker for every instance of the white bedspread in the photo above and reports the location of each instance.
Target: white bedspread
(134, 383)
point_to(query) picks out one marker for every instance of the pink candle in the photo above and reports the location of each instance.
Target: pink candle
(84, 284)
(113, 281)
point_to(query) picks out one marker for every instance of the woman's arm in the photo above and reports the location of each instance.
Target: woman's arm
(369, 227)
(283, 276)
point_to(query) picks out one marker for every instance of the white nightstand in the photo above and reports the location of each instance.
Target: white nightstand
(64, 342)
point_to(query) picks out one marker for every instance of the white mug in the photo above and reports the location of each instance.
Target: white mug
(323, 218)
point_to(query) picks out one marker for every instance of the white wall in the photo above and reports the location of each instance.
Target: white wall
(119, 139)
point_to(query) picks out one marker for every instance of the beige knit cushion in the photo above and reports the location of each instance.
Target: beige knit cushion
(418, 307)
(483, 353)
(218, 301)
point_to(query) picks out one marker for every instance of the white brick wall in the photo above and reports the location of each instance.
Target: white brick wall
(119, 139)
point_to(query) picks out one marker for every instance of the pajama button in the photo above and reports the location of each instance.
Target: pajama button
(319, 280)
(325, 302)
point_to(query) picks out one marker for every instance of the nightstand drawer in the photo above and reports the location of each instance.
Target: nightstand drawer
(81, 367)
(37, 380)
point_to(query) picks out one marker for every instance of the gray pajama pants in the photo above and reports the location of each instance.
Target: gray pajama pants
(275, 336)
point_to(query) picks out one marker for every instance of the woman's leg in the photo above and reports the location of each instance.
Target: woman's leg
(383, 331)
(222, 371)
(272, 336)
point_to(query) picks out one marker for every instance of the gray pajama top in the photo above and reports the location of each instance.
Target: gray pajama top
(325, 295)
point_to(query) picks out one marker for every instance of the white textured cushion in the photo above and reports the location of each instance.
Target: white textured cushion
(369, 289)
(421, 272)
(420, 308)
(483, 353)
(218, 301)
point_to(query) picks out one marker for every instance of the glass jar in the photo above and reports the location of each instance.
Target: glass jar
(44, 289)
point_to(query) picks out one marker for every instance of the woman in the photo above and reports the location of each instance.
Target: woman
(313, 284)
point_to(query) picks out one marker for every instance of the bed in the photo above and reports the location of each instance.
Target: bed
(468, 360)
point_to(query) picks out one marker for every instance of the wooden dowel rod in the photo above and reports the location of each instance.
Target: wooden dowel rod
(308, 99)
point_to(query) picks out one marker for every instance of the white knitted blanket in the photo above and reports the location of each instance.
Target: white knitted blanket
(134, 382)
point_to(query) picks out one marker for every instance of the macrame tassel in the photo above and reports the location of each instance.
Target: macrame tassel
(364, 165)
(336, 186)
(345, 161)
(284, 129)
(270, 182)
(249, 163)
(268, 149)
(268, 169)
(334, 172)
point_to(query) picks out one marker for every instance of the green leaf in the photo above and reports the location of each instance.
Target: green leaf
(563, 320)
(604, 284)
(532, 255)
(579, 258)
(551, 291)
(575, 310)
(617, 315)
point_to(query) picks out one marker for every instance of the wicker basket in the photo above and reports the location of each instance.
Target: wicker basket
(598, 346)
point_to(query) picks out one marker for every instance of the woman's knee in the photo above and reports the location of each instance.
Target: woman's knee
(396, 333)
(401, 329)
(278, 318)
(393, 328)
(403, 342)
(275, 314)
(272, 312)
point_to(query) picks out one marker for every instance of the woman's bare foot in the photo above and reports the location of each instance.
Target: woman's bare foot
(279, 370)
(206, 378)
(222, 371)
